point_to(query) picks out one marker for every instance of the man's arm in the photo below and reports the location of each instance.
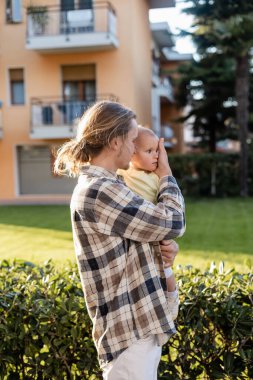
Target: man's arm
(112, 209)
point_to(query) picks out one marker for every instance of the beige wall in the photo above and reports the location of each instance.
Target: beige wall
(141, 45)
(129, 65)
(124, 72)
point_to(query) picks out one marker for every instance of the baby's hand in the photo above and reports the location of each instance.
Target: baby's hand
(163, 169)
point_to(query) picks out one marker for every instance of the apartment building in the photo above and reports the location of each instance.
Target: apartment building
(56, 58)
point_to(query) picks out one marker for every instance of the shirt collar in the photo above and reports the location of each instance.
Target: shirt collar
(97, 171)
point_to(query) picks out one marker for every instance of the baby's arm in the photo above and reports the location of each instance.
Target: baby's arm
(170, 279)
(168, 260)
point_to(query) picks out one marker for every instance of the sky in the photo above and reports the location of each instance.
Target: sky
(176, 20)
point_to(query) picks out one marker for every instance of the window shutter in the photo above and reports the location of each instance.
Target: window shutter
(79, 72)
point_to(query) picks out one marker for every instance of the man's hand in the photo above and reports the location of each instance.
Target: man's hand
(169, 250)
(163, 168)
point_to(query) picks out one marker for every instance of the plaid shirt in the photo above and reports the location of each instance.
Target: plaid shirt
(116, 235)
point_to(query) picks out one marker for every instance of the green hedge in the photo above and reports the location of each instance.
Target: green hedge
(206, 174)
(45, 332)
(44, 327)
(215, 327)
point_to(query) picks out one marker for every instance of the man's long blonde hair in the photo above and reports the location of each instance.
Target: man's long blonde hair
(97, 127)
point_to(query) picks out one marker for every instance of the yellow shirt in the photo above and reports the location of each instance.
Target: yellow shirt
(142, 183)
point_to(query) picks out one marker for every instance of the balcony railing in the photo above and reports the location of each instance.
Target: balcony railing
(56, 118)
(50, 29)
(167, 86)
(165, 89)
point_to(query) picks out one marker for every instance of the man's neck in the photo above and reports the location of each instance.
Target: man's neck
(104, 161)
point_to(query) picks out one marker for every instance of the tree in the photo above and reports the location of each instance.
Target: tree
(207, 85)
(227, 27)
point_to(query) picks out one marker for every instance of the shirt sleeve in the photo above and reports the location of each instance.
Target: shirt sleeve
(112, 209)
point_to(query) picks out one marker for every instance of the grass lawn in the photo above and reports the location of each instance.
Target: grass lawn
(36, 233)
(216, 230)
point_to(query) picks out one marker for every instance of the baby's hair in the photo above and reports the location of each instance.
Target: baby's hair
(98, 126)
(144, 131)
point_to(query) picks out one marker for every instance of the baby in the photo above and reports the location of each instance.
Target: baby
(141, 179)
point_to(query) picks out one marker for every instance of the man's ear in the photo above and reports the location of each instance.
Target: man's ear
(115, 143)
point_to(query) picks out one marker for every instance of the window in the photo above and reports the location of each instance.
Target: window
(77, 96)
(79, 82)
(17, 86)
(85, 4)
(76, 16)
(79, 90)
(13, 11)
(67, 5)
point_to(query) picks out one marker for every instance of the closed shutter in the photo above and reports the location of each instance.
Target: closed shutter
(36, 172)
(79, 72)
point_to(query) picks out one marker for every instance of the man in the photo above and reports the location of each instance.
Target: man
(116, 236)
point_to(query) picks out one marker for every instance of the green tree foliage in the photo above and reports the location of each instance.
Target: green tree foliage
(207, 86)
(45, 331)
(226, 27)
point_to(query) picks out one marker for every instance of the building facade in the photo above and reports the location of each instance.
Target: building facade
(56, 58)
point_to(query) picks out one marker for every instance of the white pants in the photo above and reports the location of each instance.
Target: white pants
(138, 362)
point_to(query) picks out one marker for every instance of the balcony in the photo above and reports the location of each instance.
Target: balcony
(161, 84)
(165, 89)
(162, 35)
(51, 30)
(155, 73)
(56, 118)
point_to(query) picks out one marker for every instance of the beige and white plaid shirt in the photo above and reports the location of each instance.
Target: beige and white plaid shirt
(116, 235)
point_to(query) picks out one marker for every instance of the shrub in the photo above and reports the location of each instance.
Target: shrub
(210, 174)
(215, 327)
(45, 331)
(44, 327)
